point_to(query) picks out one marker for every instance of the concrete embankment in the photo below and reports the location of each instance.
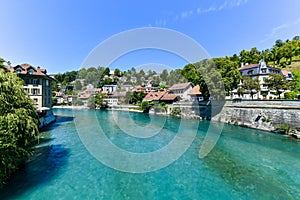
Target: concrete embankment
(266, 115)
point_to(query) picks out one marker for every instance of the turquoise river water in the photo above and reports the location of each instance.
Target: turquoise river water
(244, 164)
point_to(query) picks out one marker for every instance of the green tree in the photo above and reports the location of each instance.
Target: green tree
(91, 102)
(164, 75)
(251, 85)
(78, 102)
(117, 72)
(18, 123)
(145, 106)
(99, 101)
(77, 85)
(296, 82)
(290, 95)
(278, 83)
(278, 43)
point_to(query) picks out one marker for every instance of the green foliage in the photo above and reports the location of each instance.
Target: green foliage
(91, 102)
(290, 95)
(77, 85)
(136, 97)
(18, 124)
(175, 112)
(283, 128)
(117, 73)
(205, 74)
(251, 85)
(99, 101)
(78, 102)
(296, 82)
(278, 83)
(265, 119)
(145, 106)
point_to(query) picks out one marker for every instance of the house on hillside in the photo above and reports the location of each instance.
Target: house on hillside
(182, 90)
(287, 74)
(161, 96)
(110, 88)
(169, 98)
(195, 94)
(115, 98)
(262, 72)
(154, 96)
(60, 97)
(37, 84)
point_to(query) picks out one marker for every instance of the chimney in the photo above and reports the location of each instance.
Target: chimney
(242, 64)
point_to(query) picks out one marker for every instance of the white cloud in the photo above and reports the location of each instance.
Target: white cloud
(283, 31)
(227, 4)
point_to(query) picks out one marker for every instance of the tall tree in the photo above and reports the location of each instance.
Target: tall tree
(18, 123)
(278, 83)
(251, 85)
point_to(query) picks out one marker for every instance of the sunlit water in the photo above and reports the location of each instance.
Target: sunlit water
(245, 164)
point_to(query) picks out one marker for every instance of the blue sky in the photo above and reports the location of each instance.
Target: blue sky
(59, 35)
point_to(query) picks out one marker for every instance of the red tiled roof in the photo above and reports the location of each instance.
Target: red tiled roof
(25, 68)
(180, 86)
(195, 91)
(169, 97)
(154, 96)
(248, 66)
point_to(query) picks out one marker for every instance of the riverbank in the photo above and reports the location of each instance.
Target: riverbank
(278, 116)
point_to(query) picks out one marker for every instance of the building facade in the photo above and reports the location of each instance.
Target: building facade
(182, 90)
(262, 72)
(37, 84)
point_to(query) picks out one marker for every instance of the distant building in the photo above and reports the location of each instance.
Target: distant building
(115, 98)
(195, 94)
(37, 84)
(110, 88)
(262, 72)
(182, 90)
(287, 74)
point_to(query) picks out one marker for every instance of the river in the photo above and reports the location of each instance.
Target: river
(244, 163)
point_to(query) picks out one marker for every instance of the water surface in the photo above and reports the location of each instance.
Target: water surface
(245, 164)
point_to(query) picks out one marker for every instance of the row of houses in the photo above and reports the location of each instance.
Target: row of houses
(178, 92)
(38, 86)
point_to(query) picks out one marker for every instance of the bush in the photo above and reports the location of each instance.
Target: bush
(175, 112)
(284, 128)
(290, 95)
(78, 102)
(145, 106)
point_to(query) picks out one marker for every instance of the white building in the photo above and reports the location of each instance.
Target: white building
(262, 72)
(182, 90)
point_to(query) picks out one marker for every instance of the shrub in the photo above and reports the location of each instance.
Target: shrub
(290, 95)
(175, 112)
(283, 128)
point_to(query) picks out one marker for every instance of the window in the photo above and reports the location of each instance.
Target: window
(35, 91)
(35, 81)
(264, 71)
(27, 81)
(18, 70)
(47, 83)
(250, 72)
(30, 71)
